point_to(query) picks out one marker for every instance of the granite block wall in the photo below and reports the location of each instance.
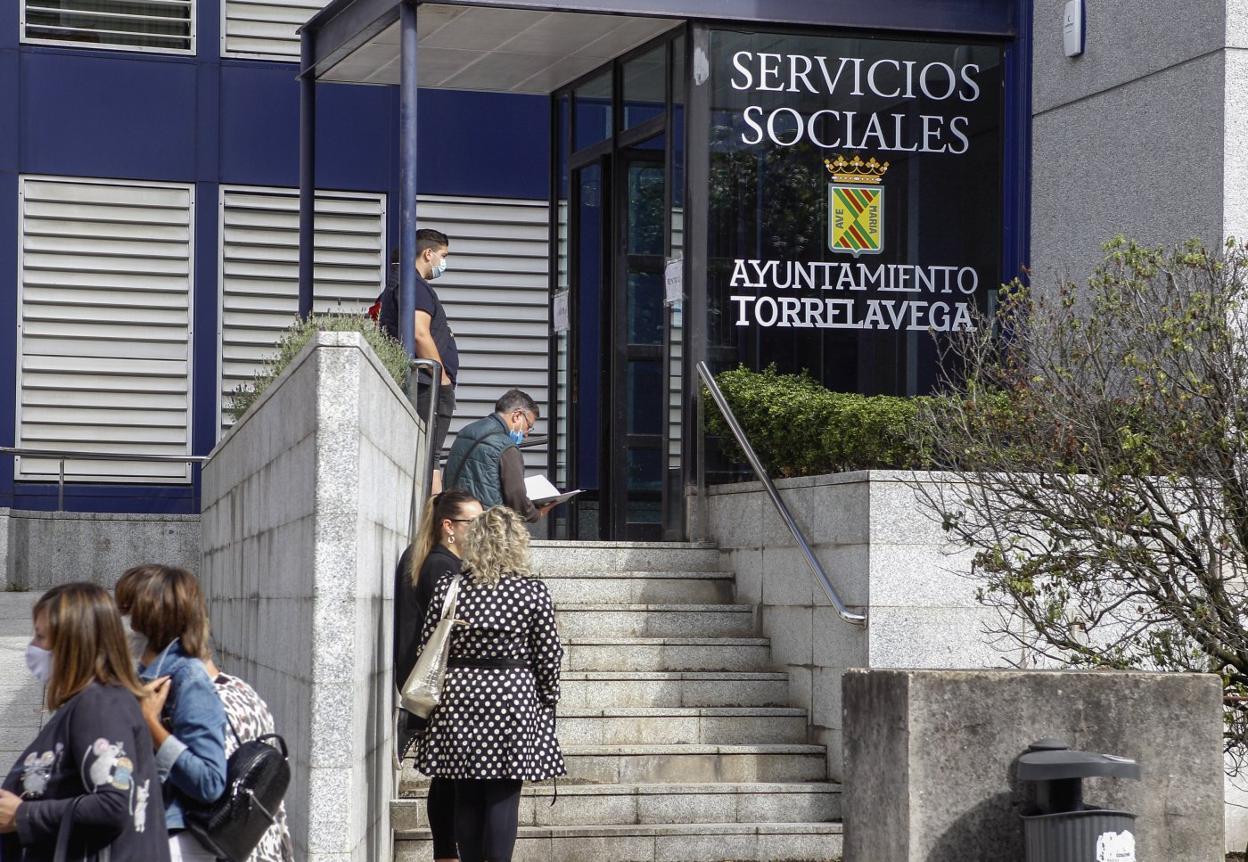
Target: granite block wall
(306, 505)
(41, 549)
(931, 773)
(882, 552)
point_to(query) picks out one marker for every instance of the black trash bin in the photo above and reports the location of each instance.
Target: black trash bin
(1061, 828)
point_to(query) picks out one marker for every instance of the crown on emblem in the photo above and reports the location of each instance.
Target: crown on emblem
(855, 170)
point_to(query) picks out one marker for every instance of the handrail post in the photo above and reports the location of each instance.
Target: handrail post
(422, 474)
(812, 562)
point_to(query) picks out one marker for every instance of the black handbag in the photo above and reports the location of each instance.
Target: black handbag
(256, 777)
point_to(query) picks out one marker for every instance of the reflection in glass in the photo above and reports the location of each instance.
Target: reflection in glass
(645, 208)
(592, 104)
(645, 397)
(644, 478)
(644, 82)
(645, 308)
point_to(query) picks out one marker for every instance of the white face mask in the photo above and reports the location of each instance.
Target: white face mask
(137, 640)
(438, 268)
(39, 661)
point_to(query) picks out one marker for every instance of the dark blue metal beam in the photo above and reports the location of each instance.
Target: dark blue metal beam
(407, 174)
(307, 181)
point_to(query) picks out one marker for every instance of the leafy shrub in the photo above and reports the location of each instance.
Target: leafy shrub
(296, 337)
(799, 428)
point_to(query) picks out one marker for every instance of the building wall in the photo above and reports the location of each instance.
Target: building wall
(1141, 135)
(208, 121)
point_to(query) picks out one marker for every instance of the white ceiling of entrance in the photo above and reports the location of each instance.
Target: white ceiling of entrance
(499, 50)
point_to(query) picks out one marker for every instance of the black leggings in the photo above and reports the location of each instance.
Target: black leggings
(442, 817)
(487, 816)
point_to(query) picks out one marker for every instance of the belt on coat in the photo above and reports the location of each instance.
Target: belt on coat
(463, 661)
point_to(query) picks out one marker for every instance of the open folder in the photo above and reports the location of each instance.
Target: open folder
(542, 493)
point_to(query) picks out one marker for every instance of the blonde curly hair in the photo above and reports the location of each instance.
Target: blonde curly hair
(496, 546)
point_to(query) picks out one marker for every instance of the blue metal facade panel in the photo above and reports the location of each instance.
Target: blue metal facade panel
(484, 144)
(98, 114)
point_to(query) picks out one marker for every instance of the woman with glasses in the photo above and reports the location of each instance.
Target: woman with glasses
(435, 552)
(495, 725)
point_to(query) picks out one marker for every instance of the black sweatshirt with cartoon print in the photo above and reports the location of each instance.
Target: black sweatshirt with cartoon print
(95, 749)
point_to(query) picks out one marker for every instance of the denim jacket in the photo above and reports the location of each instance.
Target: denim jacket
(191, 762)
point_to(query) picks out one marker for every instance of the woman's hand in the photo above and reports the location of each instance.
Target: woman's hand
(9, 803)
(157, 693)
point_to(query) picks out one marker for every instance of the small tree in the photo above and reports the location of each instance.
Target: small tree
(1096, 442)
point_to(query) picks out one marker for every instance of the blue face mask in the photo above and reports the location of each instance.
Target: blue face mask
(438, 268)
(517, 437)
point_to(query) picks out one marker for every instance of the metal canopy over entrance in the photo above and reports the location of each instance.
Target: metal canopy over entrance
(638, 201)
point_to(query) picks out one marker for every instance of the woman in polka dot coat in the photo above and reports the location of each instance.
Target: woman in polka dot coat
(495, 726)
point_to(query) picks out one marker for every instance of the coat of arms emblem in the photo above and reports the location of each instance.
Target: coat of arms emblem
(856, 205)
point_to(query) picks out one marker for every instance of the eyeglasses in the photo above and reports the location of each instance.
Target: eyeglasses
(528, 423)
(461, 520)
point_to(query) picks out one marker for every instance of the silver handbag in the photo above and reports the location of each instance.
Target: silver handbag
(423, 690)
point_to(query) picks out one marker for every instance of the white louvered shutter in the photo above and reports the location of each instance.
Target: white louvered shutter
(260, 269)
(104, 327)
(136, 25)
(265, 28)
(495, 293)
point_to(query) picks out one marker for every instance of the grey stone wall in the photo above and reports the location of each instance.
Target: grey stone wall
(1141, 135)
(41, 549)
(882, 552)
(306, 506)
(930, 772)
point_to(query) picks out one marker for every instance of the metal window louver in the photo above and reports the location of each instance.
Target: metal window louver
(264, 28)
(496, 293)
(260, 270)
(104, 326)
(142, 25)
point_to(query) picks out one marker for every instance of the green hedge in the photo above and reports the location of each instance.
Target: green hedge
(293, 340)
(799, 428)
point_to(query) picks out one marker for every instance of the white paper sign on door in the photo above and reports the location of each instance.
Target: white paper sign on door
(674, 280)
(559, 312)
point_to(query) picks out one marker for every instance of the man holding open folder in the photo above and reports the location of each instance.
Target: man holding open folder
(485, 459)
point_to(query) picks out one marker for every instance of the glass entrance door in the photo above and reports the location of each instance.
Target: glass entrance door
(617, 365)
(638, 385)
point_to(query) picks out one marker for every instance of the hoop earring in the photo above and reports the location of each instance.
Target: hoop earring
(450, 538)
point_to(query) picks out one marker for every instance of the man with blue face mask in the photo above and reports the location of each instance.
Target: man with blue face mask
(485, 459)
(434, 338)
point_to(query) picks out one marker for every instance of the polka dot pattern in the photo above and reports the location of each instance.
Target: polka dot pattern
(497, 722)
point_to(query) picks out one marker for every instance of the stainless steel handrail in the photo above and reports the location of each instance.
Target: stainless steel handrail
(64, 454)
(423, 479)
(812, 562)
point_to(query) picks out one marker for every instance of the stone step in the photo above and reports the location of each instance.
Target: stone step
(677, 764)
(693, 764)
(654, 804)
(605, 689)
(604, 652)
(693, 842)
(640, 587)
(548, 557)
(577, 620)
(678, 726)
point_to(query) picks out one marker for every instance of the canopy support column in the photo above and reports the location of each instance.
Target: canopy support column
(407, 175)
(307, 174)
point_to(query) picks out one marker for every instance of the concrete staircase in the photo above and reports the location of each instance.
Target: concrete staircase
(678, 741)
